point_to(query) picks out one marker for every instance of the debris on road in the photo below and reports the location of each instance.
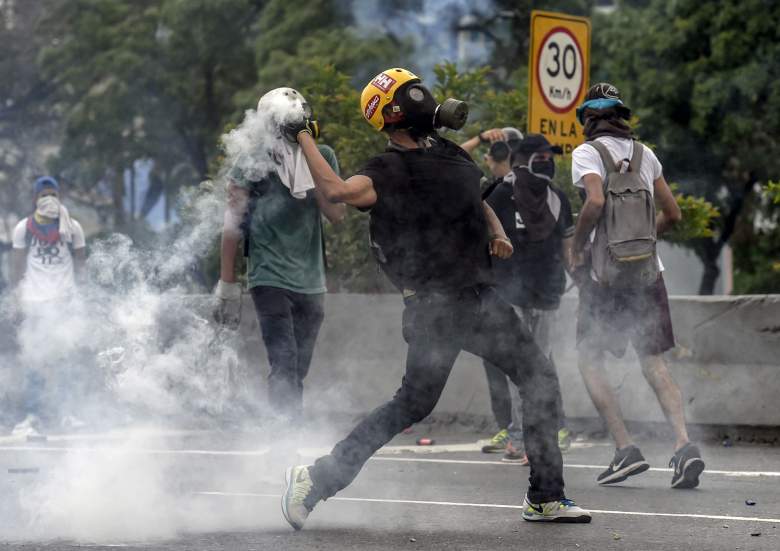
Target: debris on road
(750, 502)
(425, 441)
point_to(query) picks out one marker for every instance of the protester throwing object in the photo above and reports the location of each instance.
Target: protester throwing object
(622, 291)
(433, 236)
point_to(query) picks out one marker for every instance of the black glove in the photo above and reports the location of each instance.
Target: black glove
(291, 130)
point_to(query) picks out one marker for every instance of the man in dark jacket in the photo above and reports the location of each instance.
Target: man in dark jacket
(537, 218)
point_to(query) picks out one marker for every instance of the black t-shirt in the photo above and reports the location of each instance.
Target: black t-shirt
(534, 276)
(428, 226)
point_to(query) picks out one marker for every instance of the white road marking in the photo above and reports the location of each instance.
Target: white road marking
(315, 453)
(749, 474)
(500, 506)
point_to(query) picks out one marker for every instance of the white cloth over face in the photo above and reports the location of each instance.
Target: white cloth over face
(293, 170)
(49, 206)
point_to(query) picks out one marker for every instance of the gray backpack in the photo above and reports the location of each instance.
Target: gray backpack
(623, 251)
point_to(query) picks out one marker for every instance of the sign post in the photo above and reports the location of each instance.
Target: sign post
(559, 67)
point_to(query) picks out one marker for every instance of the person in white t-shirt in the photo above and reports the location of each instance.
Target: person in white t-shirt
(609, 317)
(48, 248)
(47, 262)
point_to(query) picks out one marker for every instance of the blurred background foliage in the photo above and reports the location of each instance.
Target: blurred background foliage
(93, 86)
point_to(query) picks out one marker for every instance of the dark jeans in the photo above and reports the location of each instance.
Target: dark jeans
(508, 414)
(437, 327)
(290, 323)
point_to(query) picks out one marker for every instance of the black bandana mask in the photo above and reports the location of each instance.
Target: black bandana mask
(537, 174)
(531, 187)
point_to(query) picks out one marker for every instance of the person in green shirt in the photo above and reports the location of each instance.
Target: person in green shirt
(286, 273)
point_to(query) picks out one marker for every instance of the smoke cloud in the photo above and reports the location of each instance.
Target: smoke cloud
(133, 351)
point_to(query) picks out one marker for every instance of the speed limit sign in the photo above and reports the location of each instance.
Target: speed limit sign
(559, 63)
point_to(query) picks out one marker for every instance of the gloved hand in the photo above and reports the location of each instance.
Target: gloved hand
(291, 130)
(228, 309)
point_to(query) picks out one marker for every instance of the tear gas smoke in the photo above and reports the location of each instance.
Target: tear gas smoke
(133, 350)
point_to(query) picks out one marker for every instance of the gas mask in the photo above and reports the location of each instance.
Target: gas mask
(422, 115)
(48, 206)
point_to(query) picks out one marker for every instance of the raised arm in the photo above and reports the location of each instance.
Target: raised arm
(357, 191)
(485, 136)
(334, 212)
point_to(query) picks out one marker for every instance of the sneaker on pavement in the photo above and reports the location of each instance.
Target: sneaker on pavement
(688, 465)
(564, 439)
(498, 443)
(628, 461)
(514, 455)
(30, 426)
(297, 501)
(564, 510)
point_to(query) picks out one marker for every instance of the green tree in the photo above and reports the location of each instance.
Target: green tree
(27, 125)
(145, 79)
(703, 78)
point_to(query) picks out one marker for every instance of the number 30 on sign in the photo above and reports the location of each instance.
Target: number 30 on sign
(559, 63)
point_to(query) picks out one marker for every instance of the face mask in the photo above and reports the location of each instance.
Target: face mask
(544, 169)
(422, 114)
(48, 206)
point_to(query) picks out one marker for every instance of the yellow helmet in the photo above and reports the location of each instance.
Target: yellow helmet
(379, 93)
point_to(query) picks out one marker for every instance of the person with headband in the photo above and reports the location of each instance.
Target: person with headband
(619, 303)
(433, 236)
(49, 253)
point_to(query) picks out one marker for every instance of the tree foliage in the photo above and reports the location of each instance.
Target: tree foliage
(113, 81)
(703, 78)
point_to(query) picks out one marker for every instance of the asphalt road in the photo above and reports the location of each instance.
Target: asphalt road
(218, 491)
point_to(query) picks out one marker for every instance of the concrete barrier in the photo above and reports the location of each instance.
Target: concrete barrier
(727, 361)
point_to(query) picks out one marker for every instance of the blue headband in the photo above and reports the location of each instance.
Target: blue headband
(601, 103)
(44, 182)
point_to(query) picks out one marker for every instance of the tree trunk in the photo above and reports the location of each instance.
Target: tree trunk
(709, 257)
(710, 251)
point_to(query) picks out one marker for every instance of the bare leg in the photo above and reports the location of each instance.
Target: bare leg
(591, 364)
(669, 396)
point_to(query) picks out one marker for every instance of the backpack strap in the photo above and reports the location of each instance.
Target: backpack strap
(636, 157)
(606, 158)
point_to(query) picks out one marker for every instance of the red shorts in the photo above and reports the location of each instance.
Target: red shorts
(608, 318)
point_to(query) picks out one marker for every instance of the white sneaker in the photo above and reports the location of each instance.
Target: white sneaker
(564, 510)
(28, 427)
(299, 486)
